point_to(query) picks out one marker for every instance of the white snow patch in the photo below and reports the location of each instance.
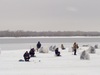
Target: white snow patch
(49, 64)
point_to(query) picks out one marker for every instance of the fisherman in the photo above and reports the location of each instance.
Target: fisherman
(62, 47)
(75, 47)
(57, 53)
(38, 45)
(26, 56)
(32, 52)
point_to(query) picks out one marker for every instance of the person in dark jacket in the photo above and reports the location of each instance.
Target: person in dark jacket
(26, 56)
(38, 45)
(32, 52)
(57, 53)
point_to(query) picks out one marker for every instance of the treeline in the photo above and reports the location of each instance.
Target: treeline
(21, 33)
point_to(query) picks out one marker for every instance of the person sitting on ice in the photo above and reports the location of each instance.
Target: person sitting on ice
(75, 47)
(57, 53)
(32, 52)
(62, 47)
(26, 56)
(38, 45)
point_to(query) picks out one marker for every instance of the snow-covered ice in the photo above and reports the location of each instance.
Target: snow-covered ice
(49, 64)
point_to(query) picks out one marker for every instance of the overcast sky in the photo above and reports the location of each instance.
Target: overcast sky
(50, 15)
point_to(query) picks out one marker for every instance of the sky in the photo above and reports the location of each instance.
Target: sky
(50, 15)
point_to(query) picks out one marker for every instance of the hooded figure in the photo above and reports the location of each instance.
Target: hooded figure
(26, 56)
(38, 45)
(57, 53)
(32, 52)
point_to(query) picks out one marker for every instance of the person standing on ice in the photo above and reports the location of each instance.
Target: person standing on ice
(38, 45)
(26, 56)
(75, 47)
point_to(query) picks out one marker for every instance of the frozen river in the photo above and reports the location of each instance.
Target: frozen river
(13, 43)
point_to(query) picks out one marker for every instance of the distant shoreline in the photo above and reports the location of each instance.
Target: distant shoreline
(21, 33)
(53, 37)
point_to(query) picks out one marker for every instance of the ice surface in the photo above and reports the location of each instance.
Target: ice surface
(49, 64)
